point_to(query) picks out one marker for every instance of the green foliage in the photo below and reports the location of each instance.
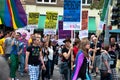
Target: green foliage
(97, 4)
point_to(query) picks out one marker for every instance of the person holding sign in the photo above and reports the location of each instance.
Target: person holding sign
(66, 59)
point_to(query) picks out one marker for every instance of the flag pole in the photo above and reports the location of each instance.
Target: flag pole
(106, 39)
(72, 33)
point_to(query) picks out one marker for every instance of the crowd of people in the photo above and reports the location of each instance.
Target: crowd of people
(77, 59)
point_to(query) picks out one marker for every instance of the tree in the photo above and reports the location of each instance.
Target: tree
(97, 4)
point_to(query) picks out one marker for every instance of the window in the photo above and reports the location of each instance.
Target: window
(86, 2)
(47, 1)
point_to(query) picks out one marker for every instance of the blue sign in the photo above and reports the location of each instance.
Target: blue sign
(72, 10)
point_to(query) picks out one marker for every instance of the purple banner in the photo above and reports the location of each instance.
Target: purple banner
(63, 33)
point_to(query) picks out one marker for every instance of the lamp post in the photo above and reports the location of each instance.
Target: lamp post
(106, 38)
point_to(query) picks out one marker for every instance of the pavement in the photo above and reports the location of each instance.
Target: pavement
(56, 75)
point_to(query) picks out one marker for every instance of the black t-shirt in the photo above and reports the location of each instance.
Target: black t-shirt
(63, 59)
(113, 59)
(99, 45)
(34, 55)
(118, 50)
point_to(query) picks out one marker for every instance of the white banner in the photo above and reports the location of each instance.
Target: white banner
(71, 26)
(50, 31)
(83, 34)
(101, 24)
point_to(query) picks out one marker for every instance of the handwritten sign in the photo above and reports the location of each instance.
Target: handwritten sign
(84, 20)
(33, 18)
(83, 34)
(51, 20)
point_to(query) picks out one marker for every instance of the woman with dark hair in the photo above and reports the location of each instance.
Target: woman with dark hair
(81, 63)
(50, 57)
(66, 59)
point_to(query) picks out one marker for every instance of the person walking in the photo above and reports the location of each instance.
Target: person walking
(105, 71)
(33, 58)
(81, 70)
(22, 56)
(66, 59)
(113, 61)
(15, 52)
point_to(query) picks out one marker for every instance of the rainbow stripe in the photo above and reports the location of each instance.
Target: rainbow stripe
(0, 21)
(12, 13)
(78, 64)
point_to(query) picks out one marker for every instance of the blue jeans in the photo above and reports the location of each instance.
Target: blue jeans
(22, 62)
(105, 75)
(47, 73)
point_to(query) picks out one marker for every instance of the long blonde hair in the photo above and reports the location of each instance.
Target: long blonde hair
(83, 44)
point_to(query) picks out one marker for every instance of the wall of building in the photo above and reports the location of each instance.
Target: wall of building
(43, 9)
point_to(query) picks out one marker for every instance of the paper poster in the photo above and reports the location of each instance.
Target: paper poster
(33, 18)
(72, 14)
(84, 20)
(83, 34)
(51, 20)
(62, 34)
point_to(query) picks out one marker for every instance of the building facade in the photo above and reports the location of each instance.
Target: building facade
(42, 6)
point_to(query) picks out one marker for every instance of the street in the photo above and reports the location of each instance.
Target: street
(56, 75)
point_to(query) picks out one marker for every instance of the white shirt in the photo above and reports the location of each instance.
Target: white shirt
(50, 56)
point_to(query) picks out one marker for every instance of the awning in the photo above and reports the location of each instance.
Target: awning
(114, 31)
(92, 25)
(41, 21)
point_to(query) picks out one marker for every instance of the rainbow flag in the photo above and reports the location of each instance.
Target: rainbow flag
(12, 14)
(0, 21)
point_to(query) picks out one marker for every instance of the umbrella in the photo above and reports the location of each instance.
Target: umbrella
(24, 31)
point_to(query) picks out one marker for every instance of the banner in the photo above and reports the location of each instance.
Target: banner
(83, 34)
(33, 18)
(103, 15)
(0, 21)
(62, 34)
(72, 14)
(104, 10)
(84, 20)
(12, 14)
(51, 20)
(84, 29)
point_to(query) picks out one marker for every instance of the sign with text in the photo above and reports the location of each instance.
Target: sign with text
(62, 34)
(101, 25)
(51, 20)
(84, 20)
(83, 34)
(50, 31)
(33, 18)
(72, 14)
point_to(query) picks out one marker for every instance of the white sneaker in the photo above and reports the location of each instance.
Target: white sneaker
(12, 79)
